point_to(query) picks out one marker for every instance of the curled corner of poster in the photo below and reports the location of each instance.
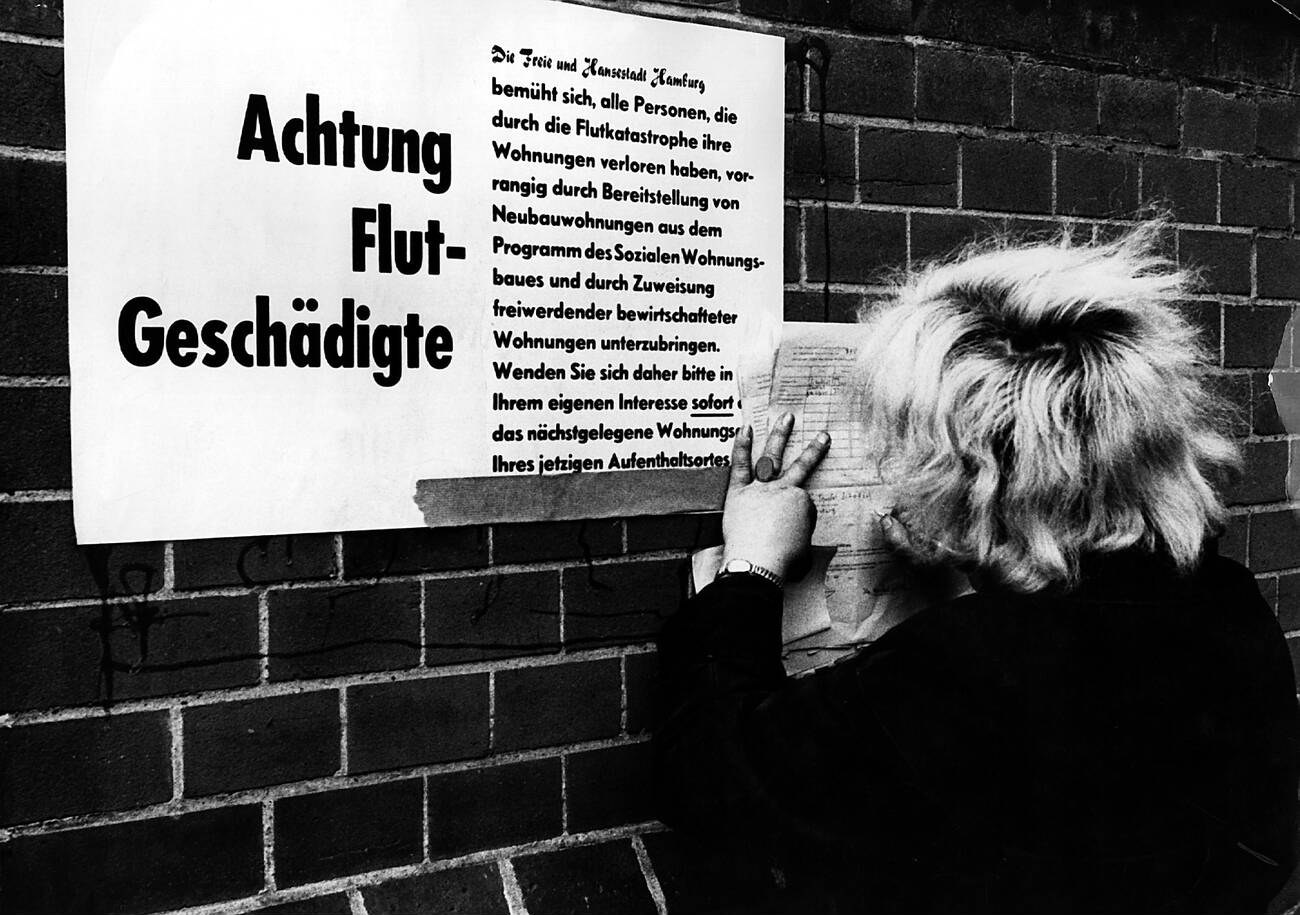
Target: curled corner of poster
(569, 497)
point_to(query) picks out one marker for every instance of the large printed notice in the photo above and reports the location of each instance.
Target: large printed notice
(320, 251)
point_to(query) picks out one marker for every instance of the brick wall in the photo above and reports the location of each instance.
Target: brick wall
(368, 722)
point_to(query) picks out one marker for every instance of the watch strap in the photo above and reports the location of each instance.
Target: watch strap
(735, 567)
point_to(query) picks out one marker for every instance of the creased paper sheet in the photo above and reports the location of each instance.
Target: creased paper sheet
(866, 590)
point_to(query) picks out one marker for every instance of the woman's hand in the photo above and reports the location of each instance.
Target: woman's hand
(920, 551)
(769, 518)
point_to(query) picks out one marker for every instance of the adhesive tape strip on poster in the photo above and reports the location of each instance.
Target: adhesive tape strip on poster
(570, 496)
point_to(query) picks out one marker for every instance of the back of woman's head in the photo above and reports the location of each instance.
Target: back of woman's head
(1036, 403)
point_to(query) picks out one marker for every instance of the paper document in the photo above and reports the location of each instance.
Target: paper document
(859, 589)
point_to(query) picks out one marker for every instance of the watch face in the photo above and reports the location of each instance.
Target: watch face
(736, 566)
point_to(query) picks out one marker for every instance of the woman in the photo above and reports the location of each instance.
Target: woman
(1107, 723)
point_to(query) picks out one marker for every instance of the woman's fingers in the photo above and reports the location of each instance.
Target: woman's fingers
(808, 460)
(918, 548)
(895, 534)
(768, 467)
(741, 472)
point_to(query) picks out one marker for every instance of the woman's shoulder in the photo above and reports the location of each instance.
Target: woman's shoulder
(1130, 595)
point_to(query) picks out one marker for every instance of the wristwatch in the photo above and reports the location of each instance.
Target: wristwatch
(745, 567)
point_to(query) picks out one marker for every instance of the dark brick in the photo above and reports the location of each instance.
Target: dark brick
(36, 449)
(540, 541)
(498, 616)
(1139, 109)
(369, 554)
(803, 161)
(1021, 24)
(1171, 39)
(866, 77)
(1293, 468)
(880, 15)
(324, 632)
(1007, 175)
(1075, 29)
(33, 225)
(252, 561)
(495, 807)
(1267, 586)
(1265, 418)
(609, 787)
(33, 324)
(1293, 646)
(794, 88)
(1049, 231)
(1278, 267)
(395, 725)
(695, 878)
(1055, 98)
(1214, 120)
(1190, 187)
(1205, 317)
(41, 559)
(1233, 392)
(460, 891)
(143, 866)
(1232, 542)
(1288, 601)
(258, 742)
(53, 658)
(1275, 540)
(1095, 183)
(587, 880)
(1222, 259)
(961, 87)
(618, 604)
(675, 532)
(864, 245)
(820, 12)
(641, 673)
(1256, 336)
(1151, 36)
(1247, 50)
(102, 764)
(333, 904)
(1278, 134)
(1255, 196)
(934, 20)
(790, 245)
(32, 17)
(562, 703)
(907, 166)
(811, 306)
(1263, 476)
(348, 831)
(938, 235)
(31, 95)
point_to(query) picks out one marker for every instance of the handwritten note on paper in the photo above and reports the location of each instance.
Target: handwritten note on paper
(811, 375)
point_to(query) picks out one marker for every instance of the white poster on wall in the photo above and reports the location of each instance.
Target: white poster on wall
(320, 251)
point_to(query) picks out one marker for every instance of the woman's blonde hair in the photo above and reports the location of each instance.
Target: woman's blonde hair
(1038, 402)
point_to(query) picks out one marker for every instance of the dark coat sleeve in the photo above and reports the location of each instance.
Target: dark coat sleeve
(746, 755)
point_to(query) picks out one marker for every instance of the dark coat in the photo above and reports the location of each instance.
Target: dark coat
(1131, 746)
